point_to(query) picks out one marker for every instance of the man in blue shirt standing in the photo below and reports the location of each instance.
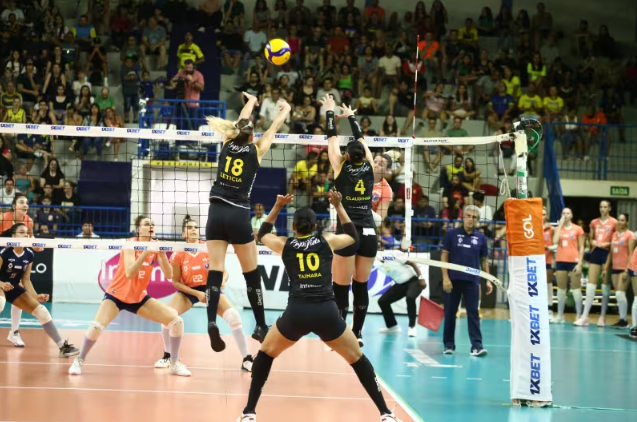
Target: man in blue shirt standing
(467, 247)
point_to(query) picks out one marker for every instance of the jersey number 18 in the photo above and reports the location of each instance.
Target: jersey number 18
(237, 167)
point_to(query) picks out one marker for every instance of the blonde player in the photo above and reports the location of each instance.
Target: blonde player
(127, 292)
(622, 247)
(601, 233)
(549, 252)
(189, 278)
(569, 239)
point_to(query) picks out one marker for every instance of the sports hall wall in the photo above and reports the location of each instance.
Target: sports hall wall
(619, 15)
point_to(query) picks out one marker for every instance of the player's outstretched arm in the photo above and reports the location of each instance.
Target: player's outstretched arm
(268, 137)
(265, 236)
(346, 111)
(350, 235)
(333, 147)
(251, 102)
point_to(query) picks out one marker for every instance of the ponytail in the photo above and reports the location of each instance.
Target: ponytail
(240, 131)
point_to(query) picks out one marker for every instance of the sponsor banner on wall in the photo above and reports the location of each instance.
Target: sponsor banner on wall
(80, 276)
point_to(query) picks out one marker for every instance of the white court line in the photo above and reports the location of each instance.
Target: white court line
(399, 400)
(475, 379)
(205, 368)
(440, 378)
(424, 359)
(195, 393)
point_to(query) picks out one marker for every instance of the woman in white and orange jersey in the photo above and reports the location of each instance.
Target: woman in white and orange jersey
(622, 247)
(128, 292)
(549, 251)
(569, 239)
(632, 273)
(190, 272)
(600, 235)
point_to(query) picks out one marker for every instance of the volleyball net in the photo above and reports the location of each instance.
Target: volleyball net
(429, 179)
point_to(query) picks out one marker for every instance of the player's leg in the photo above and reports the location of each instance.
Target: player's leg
(561, 276)
(180, 303)
(233, 318)
(156, 311)
(633, 310)
(14, 334)
(576, 287)
(247, 254)
(362, 270)
(601, 322)
(343, 265)
(414, 289)
(30, 304)
(273, 345)
(393, 294)
(106, 313)
(549, 288)
(620, 283)
(594, 271)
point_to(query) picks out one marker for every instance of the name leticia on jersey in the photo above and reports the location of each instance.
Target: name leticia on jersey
(231, 178)
(238, 149)
(356, 170)
(304, 244)
(311, 275)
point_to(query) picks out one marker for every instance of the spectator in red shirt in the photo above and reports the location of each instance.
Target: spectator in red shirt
(188, 83)
(591, 133)
(416, 192)
(338, 42)
(375, 8)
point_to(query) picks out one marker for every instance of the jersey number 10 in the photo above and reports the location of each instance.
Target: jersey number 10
(360, 187)
(312, 260)
(237, 167)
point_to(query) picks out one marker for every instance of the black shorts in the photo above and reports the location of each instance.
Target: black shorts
(597, 256)
(302, 318)
(228, 223)
(14, 293)
(194, 299)
(133, 308)
(366, 246)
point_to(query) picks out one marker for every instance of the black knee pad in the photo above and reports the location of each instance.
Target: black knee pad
(361, 295)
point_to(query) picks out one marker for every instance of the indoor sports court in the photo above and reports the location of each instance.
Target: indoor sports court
(594, 376)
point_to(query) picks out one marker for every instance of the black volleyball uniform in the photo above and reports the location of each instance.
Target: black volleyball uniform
(355, 182)
(13, 268)
(229, 211)
(311, 306)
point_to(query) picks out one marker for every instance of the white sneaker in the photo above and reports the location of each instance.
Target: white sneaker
(389, 418)
(550, 314)
(601, 322)
(557, 320)
(162, 363)
(391, 330)
(108, 144)
(16, 339)
(247, 363)
(179, 369)
(250, 417)
(76, 368)
(479, 353)
(412, 332)
(581, 322)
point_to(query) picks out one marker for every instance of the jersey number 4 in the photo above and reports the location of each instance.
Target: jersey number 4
(360, 187)
(312, 260)
(236, 168)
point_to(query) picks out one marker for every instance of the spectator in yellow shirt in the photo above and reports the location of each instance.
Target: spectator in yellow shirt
(553, 106)
(189, 50)
(512, 82)
(300, 184)
(468, 35)
(536, 71)
(530, 104)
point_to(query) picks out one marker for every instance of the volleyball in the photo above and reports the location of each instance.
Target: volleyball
(277, 52)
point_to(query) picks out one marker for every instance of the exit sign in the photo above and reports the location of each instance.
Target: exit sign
(619, 191)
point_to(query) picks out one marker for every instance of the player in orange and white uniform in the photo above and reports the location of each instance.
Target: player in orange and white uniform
(569, 239)
(601, 234)
(20, 207)
(622, 248)
(190, 272)
(127, 292)
(382, 193)
(549, 252)
(632, 273)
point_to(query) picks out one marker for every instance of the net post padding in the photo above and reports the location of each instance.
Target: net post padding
(528, 304)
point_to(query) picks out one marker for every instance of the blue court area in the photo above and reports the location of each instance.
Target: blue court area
(594, 369)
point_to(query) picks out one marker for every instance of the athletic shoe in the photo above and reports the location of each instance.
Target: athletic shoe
(581, 322)
(76, 368)
(15, 338)
(389, 418)
(247, 417)
(550, 314)
(621, 324)
(179, 369)
(557, 320)
(216, 342)
(359, 337)
(162, 363)
(247, 363)
(390, 330)
(633, 332)
(260, 332)
(479, 352)
(412, 332)
(601, 322)
(448, 351)
(68, 350)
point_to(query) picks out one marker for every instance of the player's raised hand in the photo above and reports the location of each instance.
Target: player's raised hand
(335, 198)
(250, 97)
(284, 200)
(328, 102)
(346, 111)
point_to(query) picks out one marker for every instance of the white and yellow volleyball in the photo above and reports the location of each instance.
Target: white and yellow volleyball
(277, 52)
